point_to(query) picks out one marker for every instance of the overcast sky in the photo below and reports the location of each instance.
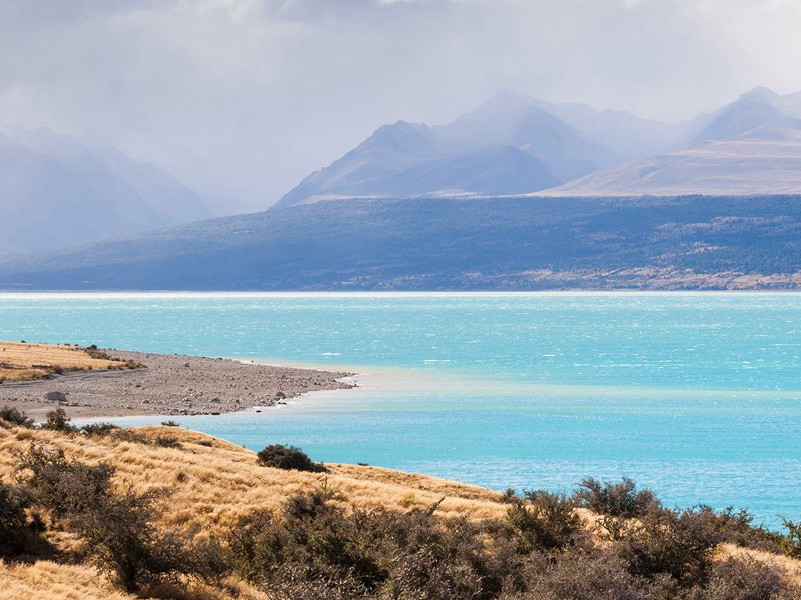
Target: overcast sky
(242, 98)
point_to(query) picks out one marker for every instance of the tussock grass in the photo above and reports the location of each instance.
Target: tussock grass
(28, 362)
(212, 485)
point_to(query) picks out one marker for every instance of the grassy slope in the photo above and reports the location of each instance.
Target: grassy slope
(212, 487)
(26, 362)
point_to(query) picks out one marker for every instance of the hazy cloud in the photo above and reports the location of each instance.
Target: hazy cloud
(241, 98)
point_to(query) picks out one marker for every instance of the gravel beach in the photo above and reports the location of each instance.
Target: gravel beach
(170, 385)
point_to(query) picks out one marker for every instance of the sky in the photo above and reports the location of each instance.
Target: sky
(240, 99)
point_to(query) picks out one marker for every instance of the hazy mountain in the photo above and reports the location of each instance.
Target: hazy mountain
(435, 244)
(751, 146)
(56, 191)
(510, 145)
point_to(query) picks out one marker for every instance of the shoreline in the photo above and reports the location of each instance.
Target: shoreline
(172, 385)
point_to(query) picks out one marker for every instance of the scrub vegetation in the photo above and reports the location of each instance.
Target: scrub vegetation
(103, 512)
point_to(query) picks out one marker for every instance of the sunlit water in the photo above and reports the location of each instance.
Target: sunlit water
(697, 395)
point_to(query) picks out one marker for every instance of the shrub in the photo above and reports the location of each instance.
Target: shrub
(116, 528)
(166, 442)
(169, 424)
(543, 521)
(581, 576)
(679, 544)
(65, 488)
(737, 528)
(18, 532)
(742, 579)
(57, 420)
(320, 550)
(288, 458)
(15, 417)
(98, 429)
(620, 499)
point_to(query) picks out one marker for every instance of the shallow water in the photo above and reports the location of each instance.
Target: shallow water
(698, 395)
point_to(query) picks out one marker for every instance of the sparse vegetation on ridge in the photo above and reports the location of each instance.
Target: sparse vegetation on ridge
(212, 521)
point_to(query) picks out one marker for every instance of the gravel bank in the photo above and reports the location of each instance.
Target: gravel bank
(171, 385)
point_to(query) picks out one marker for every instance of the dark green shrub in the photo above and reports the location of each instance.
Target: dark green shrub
(18, 532)
(581, 576)
(319, 550)
(116, 528)
(737, 528)
(57, 420)
(741, 579)
(15, 417)
(620, 499)
(543, 521)
(63, 487)
(288, 458)
(164, 441)
(98, 429)
(170, 424)
(679, 544)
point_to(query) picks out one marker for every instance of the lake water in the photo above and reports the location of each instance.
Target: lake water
(695, 394)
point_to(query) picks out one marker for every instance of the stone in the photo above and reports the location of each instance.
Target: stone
(60, 397)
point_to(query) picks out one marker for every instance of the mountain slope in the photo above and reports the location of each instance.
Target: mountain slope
(512, 144)
(441, 244)
(55, 191)
(752, 146)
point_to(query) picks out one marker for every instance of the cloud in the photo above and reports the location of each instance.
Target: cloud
(242, 98)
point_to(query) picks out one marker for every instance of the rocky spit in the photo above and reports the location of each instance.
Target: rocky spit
(170, 385)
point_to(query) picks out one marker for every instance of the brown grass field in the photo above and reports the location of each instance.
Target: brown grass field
(211, 487)
(28, 362)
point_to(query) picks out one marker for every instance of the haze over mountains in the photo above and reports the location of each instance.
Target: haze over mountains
(517, 145)
(56, 191)
(519, 194)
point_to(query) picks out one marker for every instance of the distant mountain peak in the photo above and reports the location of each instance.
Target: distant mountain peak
(760, 94)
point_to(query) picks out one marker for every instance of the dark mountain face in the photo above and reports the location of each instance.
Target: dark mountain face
(436, 244)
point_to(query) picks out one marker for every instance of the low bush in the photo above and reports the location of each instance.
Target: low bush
(18, 531)
(543, 521)
(741, 579)
(317, 549)
(169, 424)
(679, 544)
(117, 528)
(163, 441)
(15, 417)
(737, 527)
(620, 499)
(288, 458)
(98, 429)
(57, 420)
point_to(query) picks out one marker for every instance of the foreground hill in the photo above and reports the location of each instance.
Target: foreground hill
(691, 242)
(163, 512)
(56, 191)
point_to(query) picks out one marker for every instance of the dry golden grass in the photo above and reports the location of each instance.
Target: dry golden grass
(212, 487)
(27, 362)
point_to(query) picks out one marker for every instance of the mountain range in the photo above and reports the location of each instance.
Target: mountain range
(57, 191)
(519, 194)
(516, 145)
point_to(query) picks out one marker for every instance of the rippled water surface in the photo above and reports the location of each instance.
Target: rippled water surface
(698, 395)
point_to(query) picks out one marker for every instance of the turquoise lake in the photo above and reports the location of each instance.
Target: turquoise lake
(695, 394)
